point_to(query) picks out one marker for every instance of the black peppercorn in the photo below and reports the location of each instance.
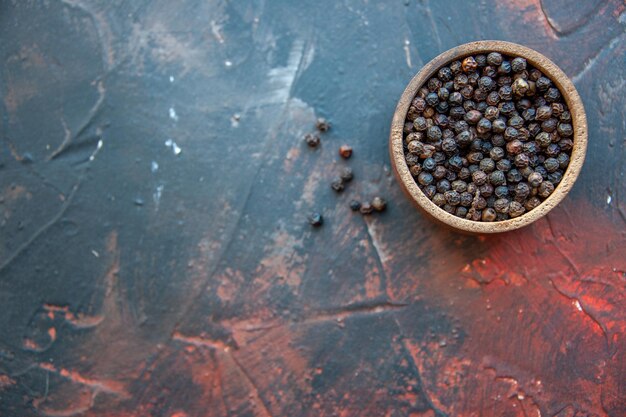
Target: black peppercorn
(419, 124)
(489, 215)
(439, 199)
(565, 129)
(532, 203)
(497, 178)
(366, 208)
(545, 189)
(432, 99)
(425, 178)
(346, 174)
(483, 126)
(445, 74)
(518, 64)
(316, 219)
(549, 125)
(322, 125)
(494, 58)
(452, 197)
(355, 205)
(312, 140)
(433, 133)
(469, 64)
(430, 190)
(455, 163)
(563, 160)
(535, 179)
(520, 87)
(415, 170)
(498, 126)
(515, 147)
(552, 95)
(501, 191)
(516, 209)
(551, 164)
(514, 176)
(487, 165)
(337, 184)
(472, 117)
(504, 68)
(503, 165)
(379, 204)
(555, 177)
(479, 177)
(419, 104)
(501, 205)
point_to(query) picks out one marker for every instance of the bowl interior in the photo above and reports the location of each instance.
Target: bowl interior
(558, 77)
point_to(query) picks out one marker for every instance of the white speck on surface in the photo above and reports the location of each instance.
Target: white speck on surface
(95, 253)
(608, 199)
(175, 148)
(171, 78)
(156, 196)
(95, 152)
(577, 305)
(281, 79)
(217, 31)
(234, 121)
(228, 63)
(173, 114)
(154, 166)
(407, 52)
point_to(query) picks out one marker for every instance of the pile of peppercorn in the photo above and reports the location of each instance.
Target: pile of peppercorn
(488, 138)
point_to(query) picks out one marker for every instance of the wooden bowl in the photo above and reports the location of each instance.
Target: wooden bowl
(579, 124)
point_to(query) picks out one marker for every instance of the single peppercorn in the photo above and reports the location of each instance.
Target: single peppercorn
(345, 151)
(452, 197)
(501, 205)
(379, 204)
(366, 208)
(355, 205)
(516, 209)
(535, 179)
(489, 215)
(312, 140)
(565, 129)
(322, 125)
(337, 184)
(518, 64)
(473, 116)
(430, 191)
(545, 189)
(346, 174)
(425, 178)
(552, 95)
(469, 64)
(316, 219)
(520, 87)
(497, 178)
(494, 58)
(551, 164)
(479, 177)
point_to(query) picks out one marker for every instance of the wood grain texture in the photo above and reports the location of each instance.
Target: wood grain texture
(155, 258)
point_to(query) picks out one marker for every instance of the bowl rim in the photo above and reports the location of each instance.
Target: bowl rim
(539, 61)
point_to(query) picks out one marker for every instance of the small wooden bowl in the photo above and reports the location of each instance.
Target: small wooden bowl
(579, 123)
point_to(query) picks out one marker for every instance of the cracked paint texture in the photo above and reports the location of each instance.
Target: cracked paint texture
(182, 280)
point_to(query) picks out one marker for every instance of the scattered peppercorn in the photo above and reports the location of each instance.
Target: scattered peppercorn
(345, 151)
(337, 184)
(312, 140)
(346, 174)
(355, 205)
(316, 219)
(366, 208)
(322, 125)
(488, 138)
(379, 204)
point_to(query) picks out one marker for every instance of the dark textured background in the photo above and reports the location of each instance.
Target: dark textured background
(138, 281)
